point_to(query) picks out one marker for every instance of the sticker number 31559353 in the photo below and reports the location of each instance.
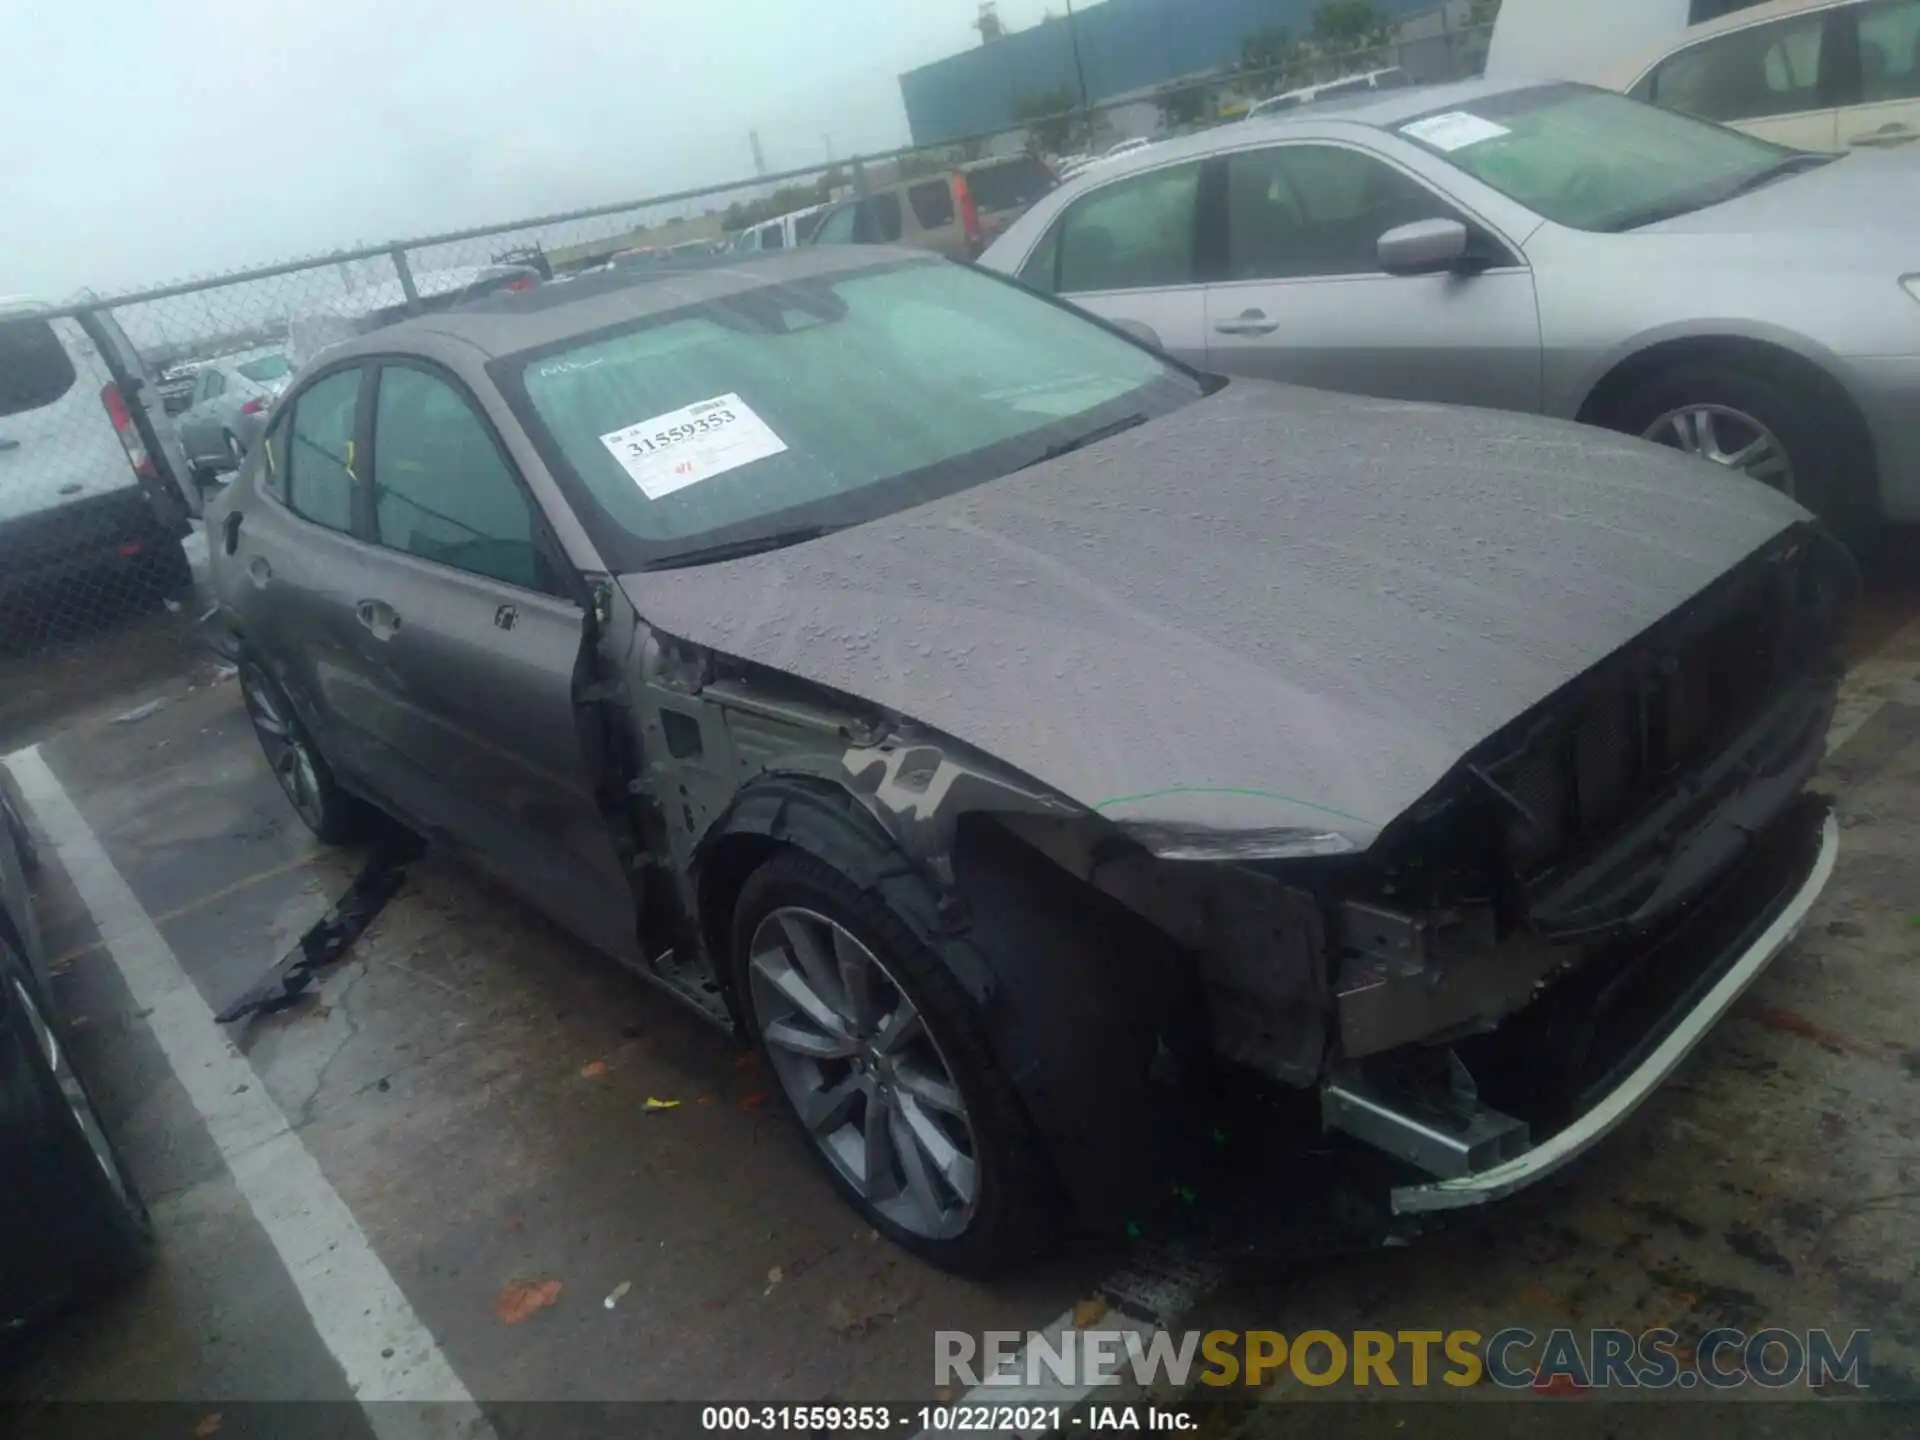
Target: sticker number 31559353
(696, 442)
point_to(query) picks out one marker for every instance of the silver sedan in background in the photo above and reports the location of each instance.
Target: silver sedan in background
(231, 397)
(1539, 247)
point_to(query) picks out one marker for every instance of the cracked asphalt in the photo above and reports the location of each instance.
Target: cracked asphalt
(476, 1089)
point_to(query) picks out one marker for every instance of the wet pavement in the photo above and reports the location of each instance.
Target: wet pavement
(475, 1089)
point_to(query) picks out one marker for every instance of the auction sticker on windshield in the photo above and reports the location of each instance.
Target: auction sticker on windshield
(691, 444)
(1454, 130)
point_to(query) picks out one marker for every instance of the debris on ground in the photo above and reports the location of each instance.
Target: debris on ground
(208, 1425)
(619, 1291)
(841, 1321)
(774, 1277)
(653, 1104)
(1088, 1311)
(753, 1101)
(140, 712)
(333, 934)
(593, 1069)
(523, 1298)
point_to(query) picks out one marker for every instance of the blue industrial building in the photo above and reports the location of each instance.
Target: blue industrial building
(1125, 45)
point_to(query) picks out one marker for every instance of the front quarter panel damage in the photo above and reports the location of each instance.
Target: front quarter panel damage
(1031, 901)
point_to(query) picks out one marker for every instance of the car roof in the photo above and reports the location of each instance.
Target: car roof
(513, 321)
(1374, 109)
(1623, 75)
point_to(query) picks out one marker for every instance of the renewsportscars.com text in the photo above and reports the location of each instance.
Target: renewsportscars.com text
(1514, 1358)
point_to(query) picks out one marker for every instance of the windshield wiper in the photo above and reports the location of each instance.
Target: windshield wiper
(1091, 437)
(737, 549)
(1672, 208)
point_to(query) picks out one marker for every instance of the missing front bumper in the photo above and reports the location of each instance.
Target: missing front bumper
(1647, 1069)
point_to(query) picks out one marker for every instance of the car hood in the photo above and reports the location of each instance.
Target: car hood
(1275, 613)
(1867, 195)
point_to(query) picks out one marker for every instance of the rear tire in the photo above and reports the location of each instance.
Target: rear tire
(951, 1126)
(1750, 406)
(334, 816)
(97, 1226)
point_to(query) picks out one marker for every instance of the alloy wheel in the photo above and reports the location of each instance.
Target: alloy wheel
(1728, 437)
(72, 1092)
(863, 1072)
(286, 749)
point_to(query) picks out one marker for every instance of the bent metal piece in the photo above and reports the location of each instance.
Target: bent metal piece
(330, 937)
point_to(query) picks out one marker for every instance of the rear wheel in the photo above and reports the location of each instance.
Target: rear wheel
(884, 1062)
(101, 1230)
(331, 813)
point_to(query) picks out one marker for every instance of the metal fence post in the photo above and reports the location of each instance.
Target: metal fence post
(399, 254)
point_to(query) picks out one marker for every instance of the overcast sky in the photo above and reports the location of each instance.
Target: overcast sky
(150, 142)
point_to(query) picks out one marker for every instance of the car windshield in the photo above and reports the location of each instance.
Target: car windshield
(267, 367)
(1594, 160)
(814, 404)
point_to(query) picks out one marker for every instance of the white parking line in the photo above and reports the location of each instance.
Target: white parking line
(361, 1316)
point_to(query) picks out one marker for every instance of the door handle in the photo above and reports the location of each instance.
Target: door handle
(1248, 322)
(379, 617)
(506, 617)
(231, 528)
(1893, 133)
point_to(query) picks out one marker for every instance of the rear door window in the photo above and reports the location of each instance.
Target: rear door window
(35, 369)
(932, 204)
(1134, 234)
(772, 238)
(320, 475)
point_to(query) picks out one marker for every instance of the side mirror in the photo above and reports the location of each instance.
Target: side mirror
(1426, 247)
(1140, 331)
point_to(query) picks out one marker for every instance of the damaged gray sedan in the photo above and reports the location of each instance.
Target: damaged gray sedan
(1000, 724)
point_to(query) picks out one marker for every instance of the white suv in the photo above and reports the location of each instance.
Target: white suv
(90, 466)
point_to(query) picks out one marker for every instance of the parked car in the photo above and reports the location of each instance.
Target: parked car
(231, 397)
(1548, 39)
(783, 232)
(71, 1218)
(386, 303)
(90, 464)
(991, 717)
(1551, 248)
(176, 386)
(957, 214)
(1817, 74)
(1391, 78)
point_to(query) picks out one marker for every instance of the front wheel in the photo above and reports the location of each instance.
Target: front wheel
(333, 815)
(101, 1232)
(884, 1062)
(1759, 423)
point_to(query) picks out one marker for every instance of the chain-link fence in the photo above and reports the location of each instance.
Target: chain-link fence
(119, 416)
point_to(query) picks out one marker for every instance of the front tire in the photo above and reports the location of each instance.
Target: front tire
(1759, 422)
(334, 816)
(885, 1065)
(98, 1228)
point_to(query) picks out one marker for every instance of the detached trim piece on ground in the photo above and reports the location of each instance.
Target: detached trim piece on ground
(333, 934)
